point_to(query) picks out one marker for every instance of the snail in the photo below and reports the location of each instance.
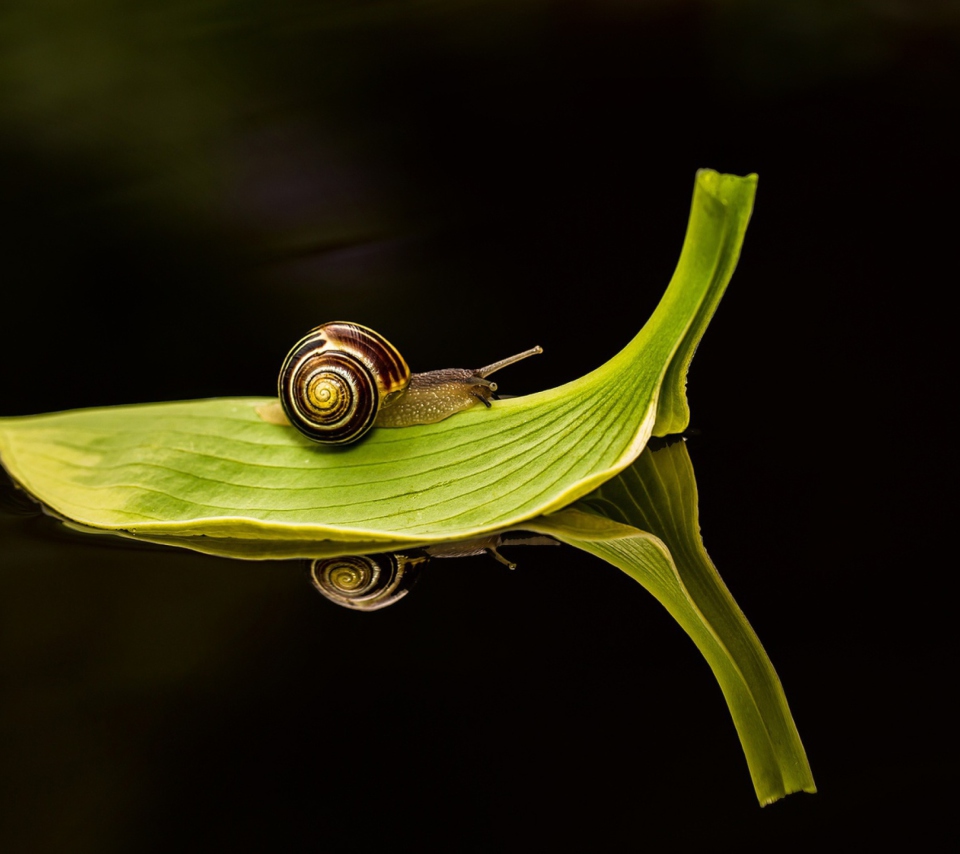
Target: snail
(341, 379)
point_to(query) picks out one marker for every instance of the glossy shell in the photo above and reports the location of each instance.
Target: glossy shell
(335, 379)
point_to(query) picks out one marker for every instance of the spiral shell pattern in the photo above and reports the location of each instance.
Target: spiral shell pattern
(365, 582)
(335, 379)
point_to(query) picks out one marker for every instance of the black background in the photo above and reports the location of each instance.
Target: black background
(187, 188)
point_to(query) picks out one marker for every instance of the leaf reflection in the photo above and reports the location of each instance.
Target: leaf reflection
(643, 521)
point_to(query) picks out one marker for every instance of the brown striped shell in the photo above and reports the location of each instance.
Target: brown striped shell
(336, 378)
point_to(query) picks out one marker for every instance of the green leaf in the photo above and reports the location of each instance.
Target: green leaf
(658, 493)
(214, 468)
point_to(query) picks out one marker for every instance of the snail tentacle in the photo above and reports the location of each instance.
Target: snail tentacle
(496, 366)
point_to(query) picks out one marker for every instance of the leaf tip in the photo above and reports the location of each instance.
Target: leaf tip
(725, 187)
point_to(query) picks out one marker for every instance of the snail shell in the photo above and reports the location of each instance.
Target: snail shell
(336, 378)
(366, 582)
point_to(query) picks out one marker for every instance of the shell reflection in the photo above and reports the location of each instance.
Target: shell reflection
(370, 582)
(366, 582)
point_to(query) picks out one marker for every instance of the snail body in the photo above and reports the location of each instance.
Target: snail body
(341, 379)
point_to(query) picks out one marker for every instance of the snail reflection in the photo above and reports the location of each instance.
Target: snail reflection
(370, 582)
(341, 379)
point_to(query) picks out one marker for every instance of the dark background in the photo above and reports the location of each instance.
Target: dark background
(188, 187)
